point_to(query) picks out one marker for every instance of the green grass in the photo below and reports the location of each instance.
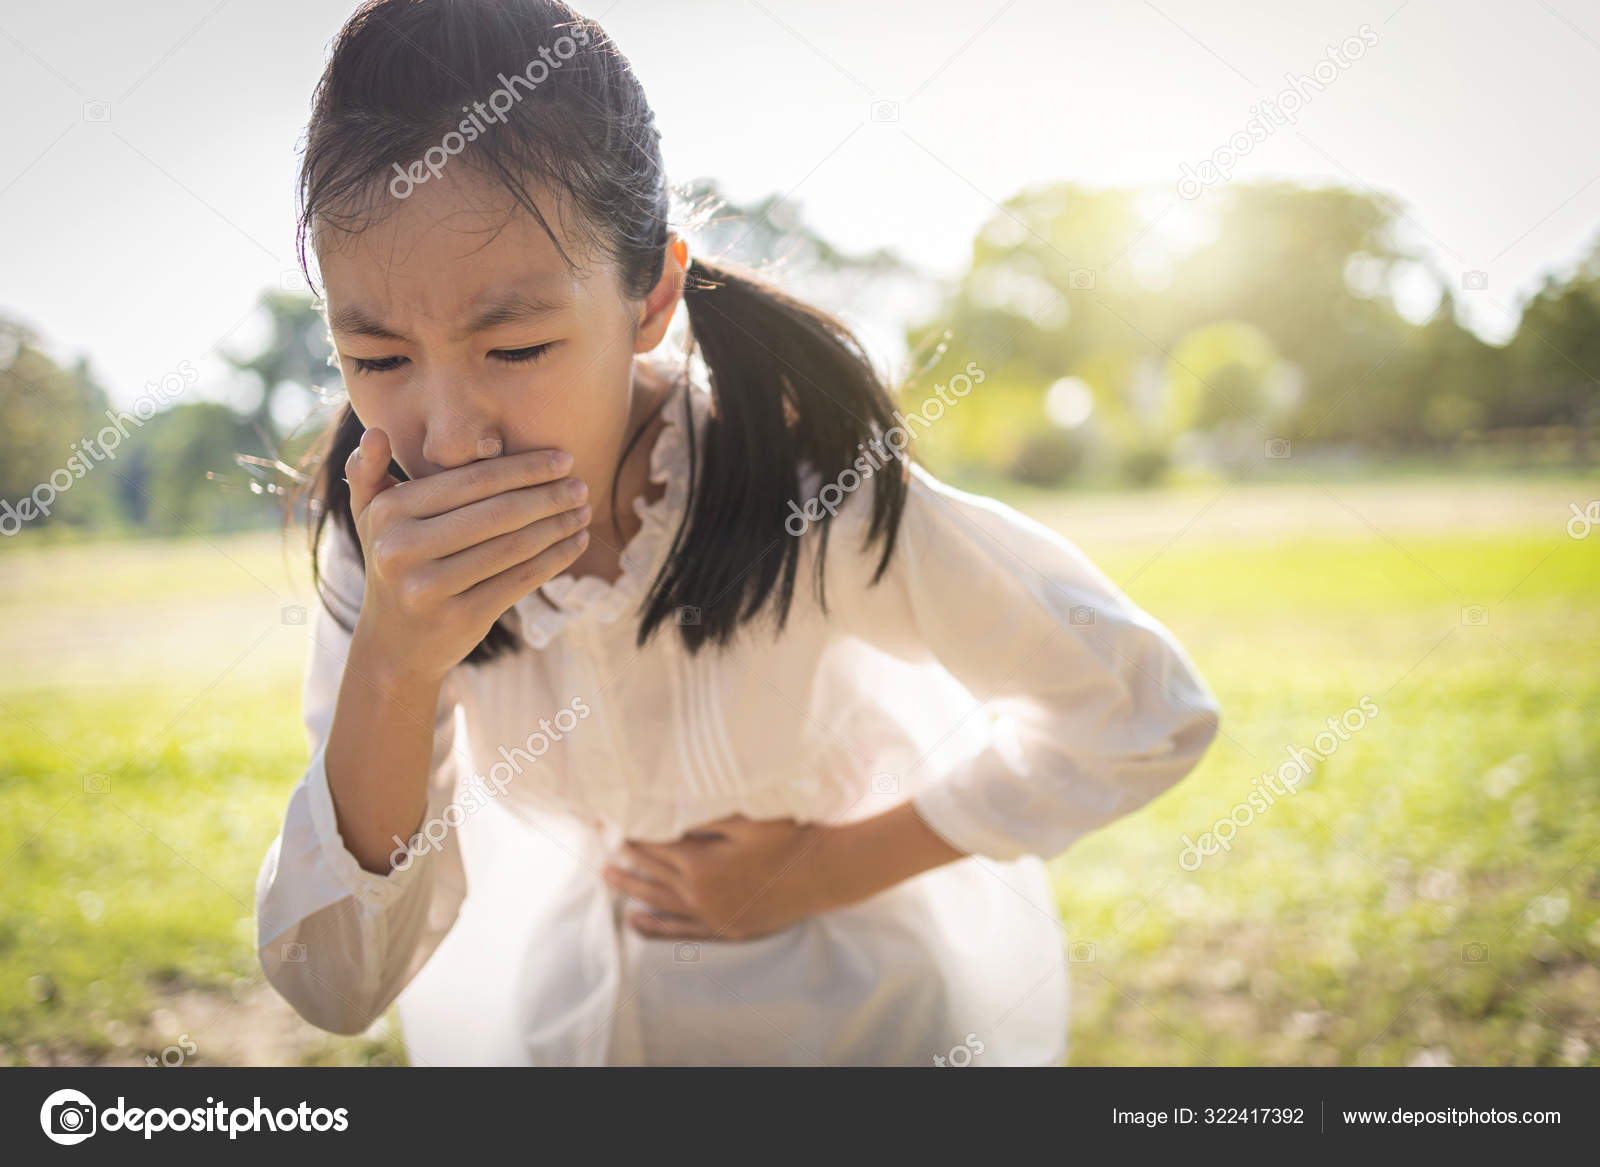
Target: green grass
(1466, 812)
(151, 736)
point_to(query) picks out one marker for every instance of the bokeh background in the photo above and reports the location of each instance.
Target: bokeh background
(1320, 394)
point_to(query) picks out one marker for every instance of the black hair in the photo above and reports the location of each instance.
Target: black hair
(791, 385)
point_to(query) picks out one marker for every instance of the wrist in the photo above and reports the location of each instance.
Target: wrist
(836, 861)
(392, 674)
(859, 859)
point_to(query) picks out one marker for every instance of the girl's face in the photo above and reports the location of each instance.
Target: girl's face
(462, 334)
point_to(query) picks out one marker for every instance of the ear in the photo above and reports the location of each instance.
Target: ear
(662, 300)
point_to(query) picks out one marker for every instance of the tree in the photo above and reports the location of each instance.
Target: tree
(295, 358)
(49, 411)
(1554, 359)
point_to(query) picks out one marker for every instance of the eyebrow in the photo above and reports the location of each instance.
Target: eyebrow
(508, 307)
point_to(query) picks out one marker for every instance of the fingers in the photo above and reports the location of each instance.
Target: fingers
(500, 592)
(450, 489)
(367, 470)
(672, 856)
(669, 927)
(454, 574)
(647, 891)
(476, 523)
(733, 826)
(650, 861)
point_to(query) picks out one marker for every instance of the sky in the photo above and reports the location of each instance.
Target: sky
(147, 184)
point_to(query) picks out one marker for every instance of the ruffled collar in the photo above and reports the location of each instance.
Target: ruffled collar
(591, 597)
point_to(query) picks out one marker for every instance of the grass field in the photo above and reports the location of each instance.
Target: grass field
(1430, 893)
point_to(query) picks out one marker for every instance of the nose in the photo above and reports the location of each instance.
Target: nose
(460, 427)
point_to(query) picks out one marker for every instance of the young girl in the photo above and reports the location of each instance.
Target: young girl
(661, 711)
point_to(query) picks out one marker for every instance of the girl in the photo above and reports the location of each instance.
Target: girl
(612, 762)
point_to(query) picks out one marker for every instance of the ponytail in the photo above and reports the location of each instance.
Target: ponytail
(791, 386)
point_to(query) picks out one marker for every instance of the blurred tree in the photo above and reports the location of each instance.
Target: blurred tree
(47, 410)
(1442, 385)
(294, 359)
(1276, 318)
(1554, 359)
(1282, 260)
(184, 471)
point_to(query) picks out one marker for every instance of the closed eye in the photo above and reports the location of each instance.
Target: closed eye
(519, 356)
(377, 365)
(511, 356)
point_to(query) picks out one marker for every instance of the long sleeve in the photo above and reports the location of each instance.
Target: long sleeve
(337, 941)
(1096, 707)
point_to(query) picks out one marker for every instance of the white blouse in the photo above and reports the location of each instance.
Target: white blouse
(993, 676)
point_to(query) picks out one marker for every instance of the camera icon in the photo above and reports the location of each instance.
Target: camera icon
(885, 783)
(685, 953)
(294, 953)
(1081, 952)
(294, 614)
(1475, 952)
(687, 614)
(292, 279)
(96, 784)
(1475, 615)
(68, 1117)
(1277, 447)
(1081, 614)
(1475, 281)
(489, 447)
(72, 1118)
(97, 111)
(885, 111)
(1081, 279)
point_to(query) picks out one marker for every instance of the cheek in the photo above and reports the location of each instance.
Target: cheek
(379, 410)
(558, 422)
(577, 422)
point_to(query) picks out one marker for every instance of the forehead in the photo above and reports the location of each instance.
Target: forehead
(457, 240)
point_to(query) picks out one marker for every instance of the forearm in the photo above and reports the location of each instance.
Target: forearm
(862, 858)
(379, 754)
